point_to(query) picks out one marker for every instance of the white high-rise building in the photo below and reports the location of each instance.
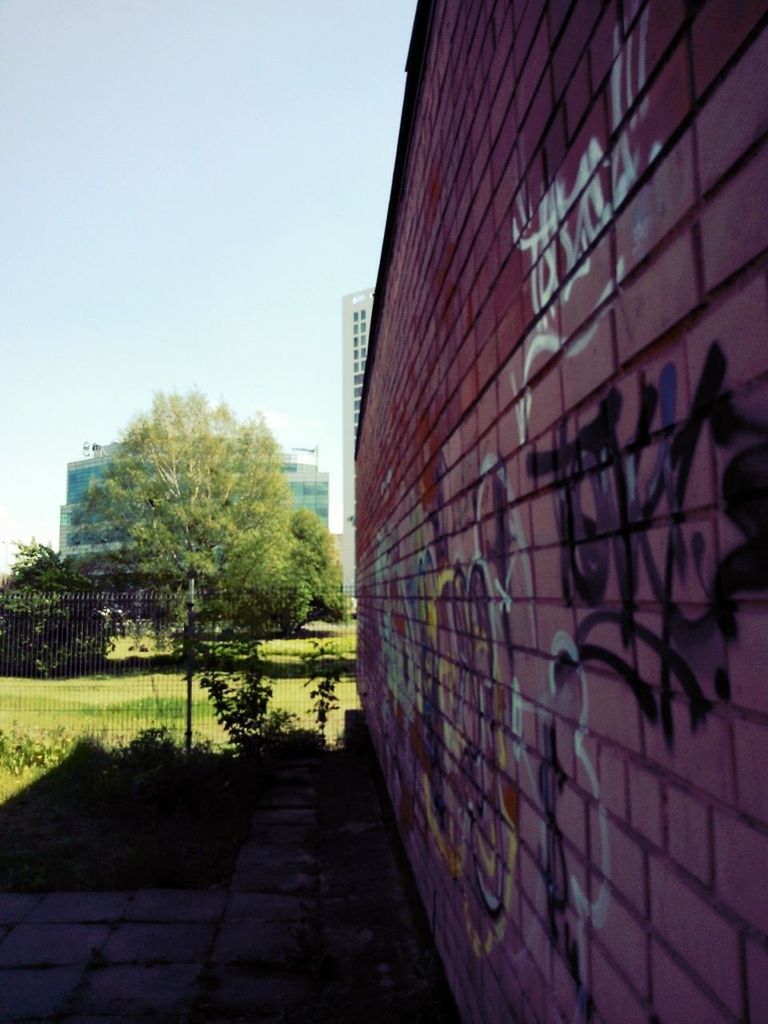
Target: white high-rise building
(356, 312)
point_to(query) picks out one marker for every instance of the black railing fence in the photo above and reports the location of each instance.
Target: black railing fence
(110, 665)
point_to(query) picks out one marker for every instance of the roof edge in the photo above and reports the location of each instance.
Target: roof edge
(414, 69)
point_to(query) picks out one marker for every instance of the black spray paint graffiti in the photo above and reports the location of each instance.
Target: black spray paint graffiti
(628, 544)
(554, 870)
(591, 473)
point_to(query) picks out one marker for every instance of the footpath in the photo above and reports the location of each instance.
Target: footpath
(319, 924)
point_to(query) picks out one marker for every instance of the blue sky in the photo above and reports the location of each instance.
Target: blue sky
(187, 189)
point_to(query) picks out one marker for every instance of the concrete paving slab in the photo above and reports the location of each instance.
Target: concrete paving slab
(134, 1017)
(131, 989)
(279, 879)
(205, 957)
(259, 906)
(281, 835)
(16, 906)
(179, 942)
(270, 857)
(176, 905)
(268, 1018)
(30, 945)
(240, 990)
(36, 992)
(110, 1018)
(295, 816)
(119, 1018)
(80, 906)
(255, 942)
(292, 796)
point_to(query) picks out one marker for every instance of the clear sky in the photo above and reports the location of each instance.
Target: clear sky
(187, 189)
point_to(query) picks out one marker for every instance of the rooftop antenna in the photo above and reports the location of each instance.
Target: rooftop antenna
(310, 451)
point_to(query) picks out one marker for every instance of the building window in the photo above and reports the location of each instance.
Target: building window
(362, 314)
(355, 316)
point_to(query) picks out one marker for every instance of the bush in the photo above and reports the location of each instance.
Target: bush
(49, 635)
(239, 693)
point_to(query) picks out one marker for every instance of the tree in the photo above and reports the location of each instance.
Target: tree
(51, 623)
(191, 492)
(39, 567)
(310, 586)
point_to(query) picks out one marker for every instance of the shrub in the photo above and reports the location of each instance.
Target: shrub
(49, 635)
(240, 695)
(325, 667)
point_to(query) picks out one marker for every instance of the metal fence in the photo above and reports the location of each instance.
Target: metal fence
(110, 665)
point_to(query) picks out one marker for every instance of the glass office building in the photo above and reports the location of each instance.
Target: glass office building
(356, 311)
(80, 474)
(309, 487)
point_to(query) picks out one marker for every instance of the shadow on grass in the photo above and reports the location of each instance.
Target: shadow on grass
(279, 667)
(153, 663)
(142, 816)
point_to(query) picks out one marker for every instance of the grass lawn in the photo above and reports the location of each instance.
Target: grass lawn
(115, 707)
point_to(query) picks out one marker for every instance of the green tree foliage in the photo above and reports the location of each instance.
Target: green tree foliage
(51, 625)
(50, 635)
(310, 585)
(39, 567)
(192, 492)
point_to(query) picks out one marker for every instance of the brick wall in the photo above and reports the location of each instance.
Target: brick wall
(562, 506)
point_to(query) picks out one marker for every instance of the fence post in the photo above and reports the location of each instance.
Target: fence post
(189, 630)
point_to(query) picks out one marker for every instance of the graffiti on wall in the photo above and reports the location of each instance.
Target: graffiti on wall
(486, 703)
(557, 241)
(605, 533)
(488, 736)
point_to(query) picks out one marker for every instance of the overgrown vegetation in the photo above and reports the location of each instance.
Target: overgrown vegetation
(325, 667)
(52, 635)
(143, 815)
(241, 694)
(21, 753)
(234, 679)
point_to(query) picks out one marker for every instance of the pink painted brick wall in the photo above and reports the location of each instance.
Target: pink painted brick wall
(562, 509)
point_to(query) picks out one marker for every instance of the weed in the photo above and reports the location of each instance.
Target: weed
(240, 694)
(325, 667)
(146, 814)
(20, 753)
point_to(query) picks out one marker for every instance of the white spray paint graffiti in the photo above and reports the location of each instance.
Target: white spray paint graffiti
(549, 242)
